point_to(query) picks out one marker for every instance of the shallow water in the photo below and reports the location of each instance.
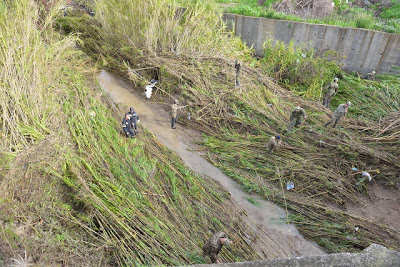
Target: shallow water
(277, 239)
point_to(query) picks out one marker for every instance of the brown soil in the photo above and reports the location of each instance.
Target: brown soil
(382, 205)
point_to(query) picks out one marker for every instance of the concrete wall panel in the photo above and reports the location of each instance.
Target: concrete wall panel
(362, 50)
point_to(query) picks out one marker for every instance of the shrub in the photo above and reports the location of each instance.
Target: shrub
(364, 21)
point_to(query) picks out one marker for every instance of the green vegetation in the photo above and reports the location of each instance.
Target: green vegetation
(244, 120)
(298, 68)
(74, 191)
(344, 14)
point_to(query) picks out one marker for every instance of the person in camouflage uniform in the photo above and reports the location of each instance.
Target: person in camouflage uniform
(174, 113)
(340, 113)
(213, 246)
(296, 117)
(331, 90)
(237, 74)
(273, 143)
(371, 76)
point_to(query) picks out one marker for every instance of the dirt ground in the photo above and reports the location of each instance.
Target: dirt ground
(382, 205)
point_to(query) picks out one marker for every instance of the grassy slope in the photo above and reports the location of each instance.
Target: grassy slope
(241, 120)
(74, 191)
(344, 15)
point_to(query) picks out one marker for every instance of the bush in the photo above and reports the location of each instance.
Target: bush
(298, 67)
(364, 21)
(392, 12)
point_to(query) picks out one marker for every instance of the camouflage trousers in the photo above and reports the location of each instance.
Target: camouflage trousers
(335, 119)
(296, 122)
(327, 100)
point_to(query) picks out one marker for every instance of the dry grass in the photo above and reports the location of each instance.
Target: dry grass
(241, 120)
(74, 192)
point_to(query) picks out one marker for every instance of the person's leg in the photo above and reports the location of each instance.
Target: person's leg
(173, 120)
(336, 121)
(291, 124)
(329, 122)
(328, 102)
(297, 123)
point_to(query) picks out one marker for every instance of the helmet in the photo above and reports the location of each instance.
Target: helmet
(373, 72)
(336, 79)
(278, 137)
(348, 103)
(131, 109)
(175, 101)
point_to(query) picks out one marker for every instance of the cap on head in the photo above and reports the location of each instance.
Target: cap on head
(348, 103)
(278, 137)
(336, 79)
(131, 109)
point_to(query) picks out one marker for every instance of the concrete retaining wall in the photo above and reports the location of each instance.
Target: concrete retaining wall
(364, 50)
(374, 256)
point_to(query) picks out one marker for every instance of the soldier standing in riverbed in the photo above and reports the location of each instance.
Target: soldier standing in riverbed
(331, 90)
(174, 113)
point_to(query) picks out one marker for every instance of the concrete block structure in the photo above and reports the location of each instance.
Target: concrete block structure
(361, 50)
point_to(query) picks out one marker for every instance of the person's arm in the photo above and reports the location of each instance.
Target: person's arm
(303, 113)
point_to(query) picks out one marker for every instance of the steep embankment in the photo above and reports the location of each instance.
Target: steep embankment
(73, 190)
(194, 62)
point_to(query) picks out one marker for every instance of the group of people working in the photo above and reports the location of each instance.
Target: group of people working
(213, 246)
(298, 113)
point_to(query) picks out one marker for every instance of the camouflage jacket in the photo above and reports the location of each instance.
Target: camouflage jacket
(297, 114)
(213, 245)
(332, 88)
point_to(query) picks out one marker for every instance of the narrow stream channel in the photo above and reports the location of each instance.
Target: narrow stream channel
(277, 239)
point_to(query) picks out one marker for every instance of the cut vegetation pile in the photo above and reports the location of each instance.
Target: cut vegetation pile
(73, 190)
(238, 122)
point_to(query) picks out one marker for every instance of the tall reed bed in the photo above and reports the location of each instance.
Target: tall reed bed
(77, 192)
(29, 63)
(164, 27)
(238, 123)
